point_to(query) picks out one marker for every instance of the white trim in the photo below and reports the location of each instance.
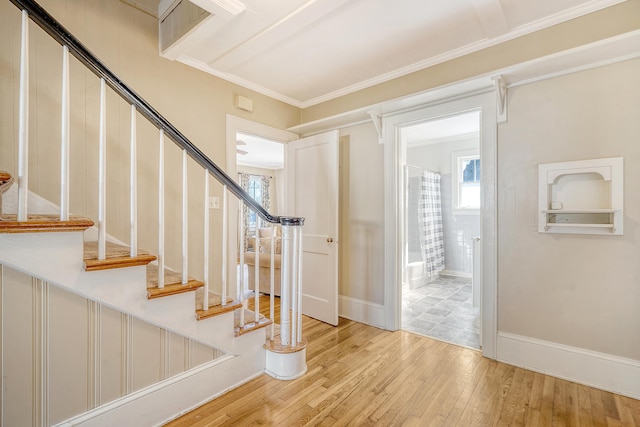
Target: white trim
(369, 313)
(203, 66)
(171, 398)
(573, 13)
(395, 159)
(566, 15)
(601, 370)
(456, 274)
(593, 55)
(2, 370)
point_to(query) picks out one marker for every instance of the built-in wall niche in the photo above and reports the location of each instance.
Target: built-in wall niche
(581, 197)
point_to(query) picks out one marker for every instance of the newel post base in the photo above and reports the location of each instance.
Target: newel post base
(285, 362)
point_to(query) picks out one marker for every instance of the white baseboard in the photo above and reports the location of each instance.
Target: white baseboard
(361, 311)
(456, 274)
(169, 399)
(604, 371)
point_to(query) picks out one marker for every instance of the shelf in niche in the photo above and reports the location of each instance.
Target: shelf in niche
(580, 211)
(577, 185)
(565, 224)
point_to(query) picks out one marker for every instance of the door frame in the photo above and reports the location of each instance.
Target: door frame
(234, 125)
(393, 195)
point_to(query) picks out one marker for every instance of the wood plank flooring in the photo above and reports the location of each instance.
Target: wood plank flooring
(359, 375)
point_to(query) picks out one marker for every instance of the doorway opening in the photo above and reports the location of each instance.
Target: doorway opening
(441, 233)
(248, 132)
(260, 169)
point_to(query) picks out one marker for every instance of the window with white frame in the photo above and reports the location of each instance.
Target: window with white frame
(255, 191)
(466, 179)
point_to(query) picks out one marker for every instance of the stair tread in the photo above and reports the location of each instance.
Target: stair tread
(172, 283)
(117, 256)
(215, 305)
(248, 325)
(42, 223)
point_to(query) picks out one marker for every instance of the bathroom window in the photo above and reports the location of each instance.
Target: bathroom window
(466, 180)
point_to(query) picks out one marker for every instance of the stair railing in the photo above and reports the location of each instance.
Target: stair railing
(290, 313)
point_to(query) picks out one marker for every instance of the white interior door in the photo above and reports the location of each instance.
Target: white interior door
(312, 169)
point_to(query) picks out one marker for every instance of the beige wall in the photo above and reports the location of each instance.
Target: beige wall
(590, 28)
(196, 103)
(361, 216)
(578, 290)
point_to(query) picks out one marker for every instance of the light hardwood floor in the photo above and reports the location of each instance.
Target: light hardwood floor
(359, 375)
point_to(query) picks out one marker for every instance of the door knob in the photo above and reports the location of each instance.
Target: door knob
(329, 239)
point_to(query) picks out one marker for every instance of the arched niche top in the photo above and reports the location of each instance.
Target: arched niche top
(555, 174)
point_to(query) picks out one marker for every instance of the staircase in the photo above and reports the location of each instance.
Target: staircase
(43, 252)
(54, 251)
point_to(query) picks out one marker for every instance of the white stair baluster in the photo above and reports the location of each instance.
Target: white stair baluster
(133, 182)
(185, 220)
(256, 271)
(23, 121)
(64, 138)
(241, 248)
(205, 250)
(225, 245)
(102, 173)
(161, 212)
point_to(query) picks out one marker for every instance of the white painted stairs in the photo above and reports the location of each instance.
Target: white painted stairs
(57, 258)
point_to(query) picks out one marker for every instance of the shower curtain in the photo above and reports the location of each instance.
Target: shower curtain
(430, 223)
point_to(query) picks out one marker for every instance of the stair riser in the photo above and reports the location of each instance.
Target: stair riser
(121, 289)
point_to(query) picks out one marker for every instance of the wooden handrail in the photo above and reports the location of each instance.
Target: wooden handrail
(4, 176)
(50, 25)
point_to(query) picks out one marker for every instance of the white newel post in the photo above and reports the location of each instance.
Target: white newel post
(285, 271)
(299, 284)
(287, 353)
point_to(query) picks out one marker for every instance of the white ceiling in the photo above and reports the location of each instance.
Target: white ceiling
(465, 125)
(261, 153)
(308, 51)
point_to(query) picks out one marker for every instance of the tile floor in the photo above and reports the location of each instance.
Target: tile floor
(443, 310)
